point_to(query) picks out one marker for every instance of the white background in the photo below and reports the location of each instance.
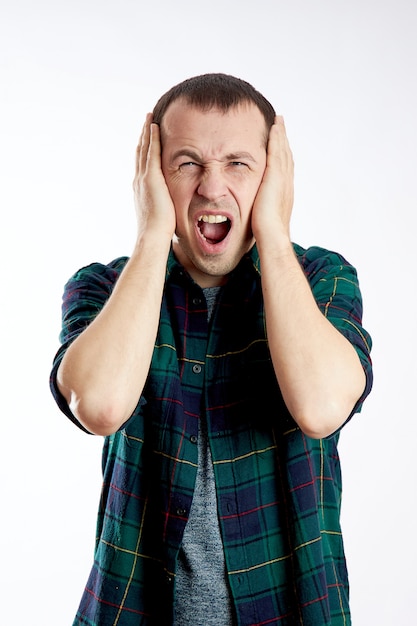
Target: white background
(77, 79)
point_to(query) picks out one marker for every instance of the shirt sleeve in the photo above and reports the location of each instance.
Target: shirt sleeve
(335, 286)
(85, 294)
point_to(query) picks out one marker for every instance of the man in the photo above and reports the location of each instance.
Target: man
(220, 362)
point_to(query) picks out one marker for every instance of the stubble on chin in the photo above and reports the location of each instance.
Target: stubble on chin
(210, 266)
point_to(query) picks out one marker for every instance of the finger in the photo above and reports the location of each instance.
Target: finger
(277, 133)
(143, 146)
(155, 145)
(278, 145)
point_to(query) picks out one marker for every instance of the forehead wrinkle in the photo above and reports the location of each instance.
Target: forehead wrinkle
(232, 156)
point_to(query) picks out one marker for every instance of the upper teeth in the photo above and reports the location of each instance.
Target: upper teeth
(212, 219)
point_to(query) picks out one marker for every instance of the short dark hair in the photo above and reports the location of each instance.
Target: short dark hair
(220, 91)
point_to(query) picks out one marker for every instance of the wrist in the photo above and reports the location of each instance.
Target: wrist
(275, 246)
(151, 246)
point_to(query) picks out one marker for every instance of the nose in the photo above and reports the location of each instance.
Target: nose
(212, 185)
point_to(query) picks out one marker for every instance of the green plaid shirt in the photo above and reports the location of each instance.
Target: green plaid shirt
(278, 491)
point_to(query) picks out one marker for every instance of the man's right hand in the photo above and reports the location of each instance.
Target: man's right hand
(154, 206)
(103, 372)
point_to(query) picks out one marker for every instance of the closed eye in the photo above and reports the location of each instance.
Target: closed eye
(189, 164)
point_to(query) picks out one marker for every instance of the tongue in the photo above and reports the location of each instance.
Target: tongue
(214, 232)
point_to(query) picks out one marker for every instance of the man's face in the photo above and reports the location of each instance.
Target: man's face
(213, 163)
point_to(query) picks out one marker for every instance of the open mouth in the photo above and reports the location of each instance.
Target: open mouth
(214, 228)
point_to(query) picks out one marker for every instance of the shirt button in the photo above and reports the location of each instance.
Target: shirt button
(197, 368)
(196, 300)
(193, 439)
(181, 512)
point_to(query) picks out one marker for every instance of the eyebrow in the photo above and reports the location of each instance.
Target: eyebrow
(233, 156)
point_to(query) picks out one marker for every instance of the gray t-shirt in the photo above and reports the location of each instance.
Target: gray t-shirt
(202, 594)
